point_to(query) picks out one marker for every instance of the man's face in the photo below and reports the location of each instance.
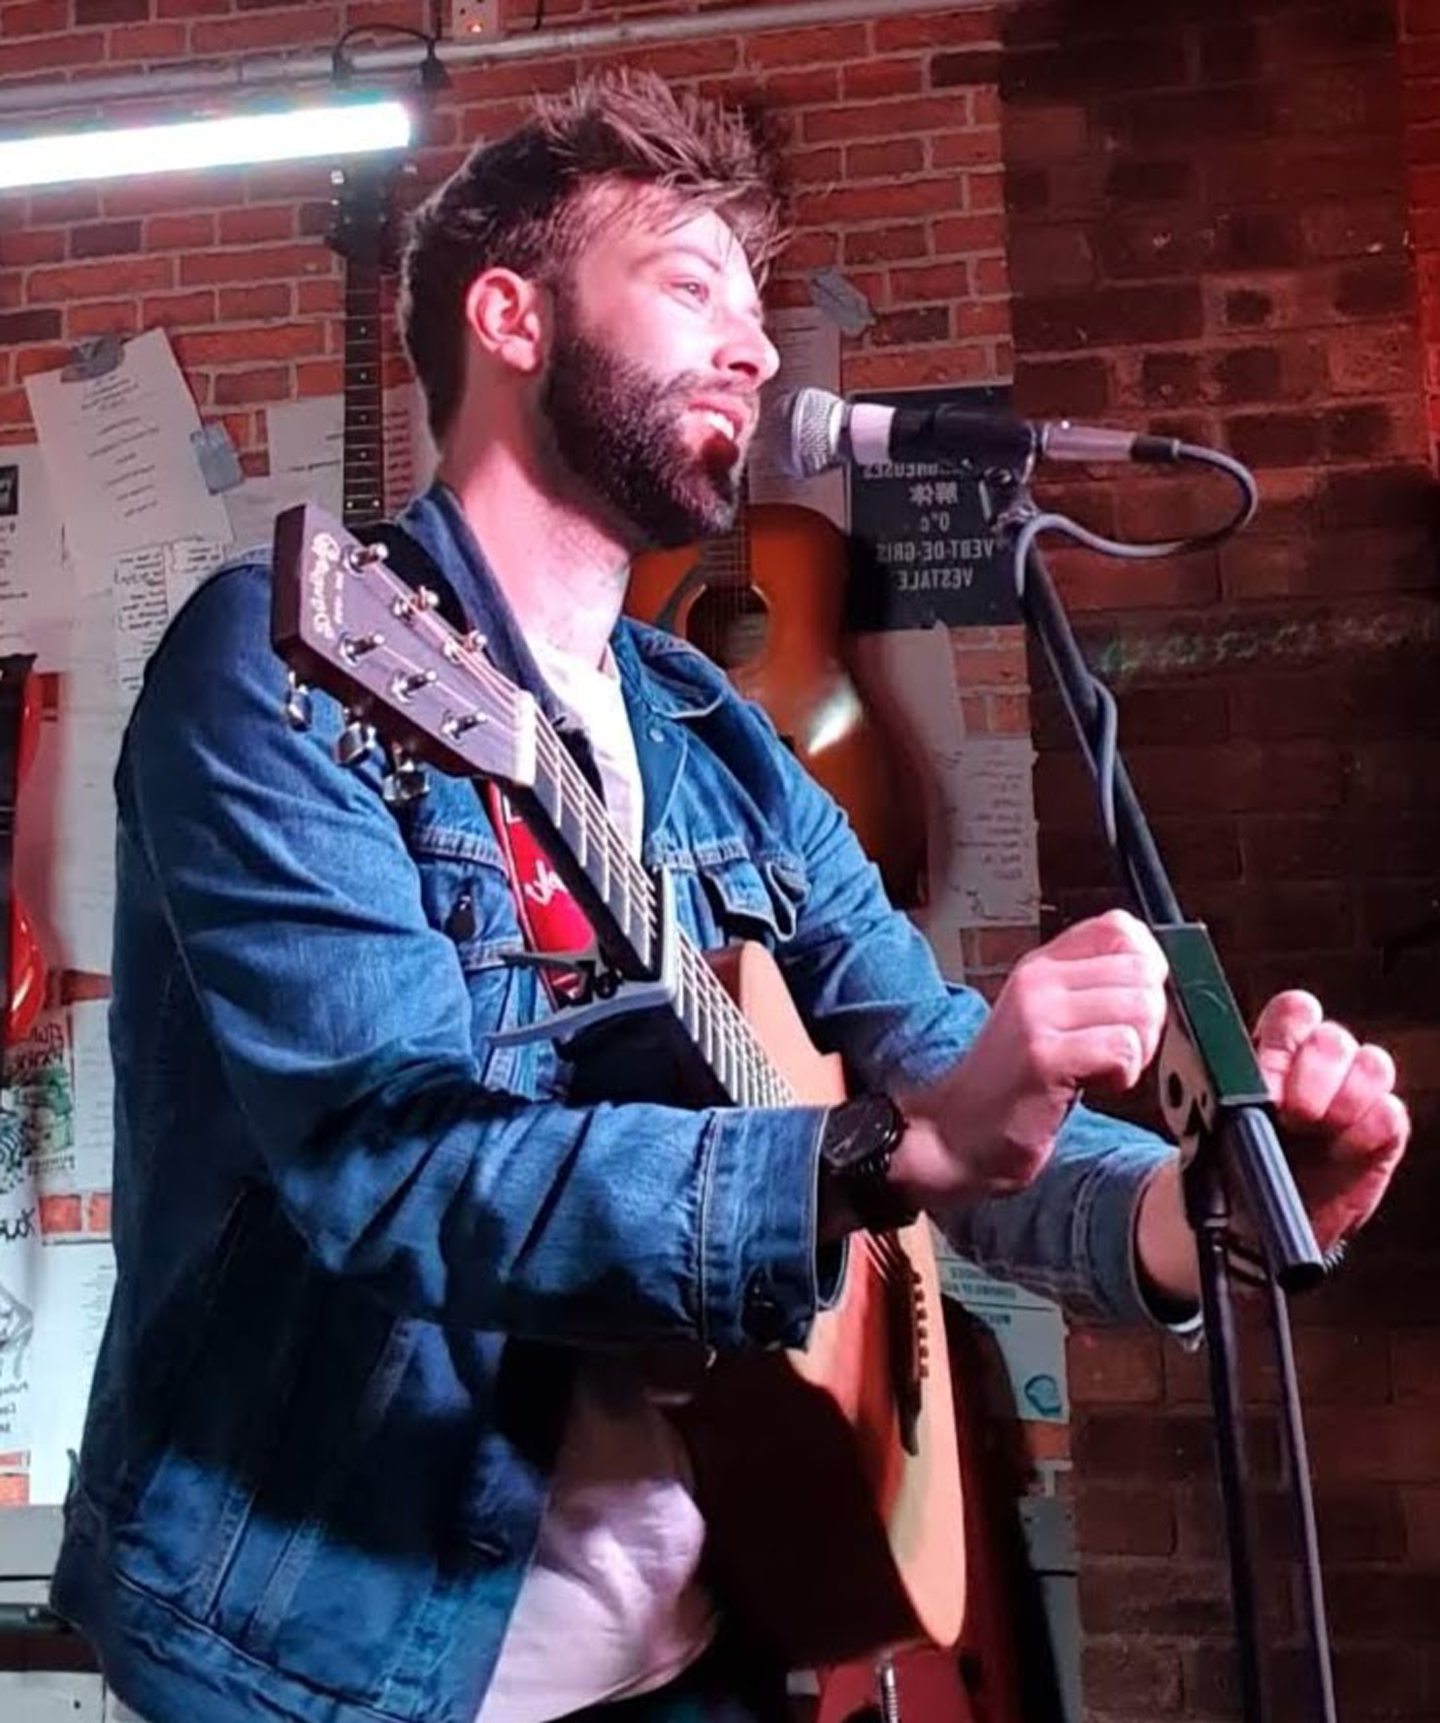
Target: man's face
(652, 390)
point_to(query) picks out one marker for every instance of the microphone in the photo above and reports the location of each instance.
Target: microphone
(815, 430)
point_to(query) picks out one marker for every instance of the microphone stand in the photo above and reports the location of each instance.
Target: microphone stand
(1215, 1101)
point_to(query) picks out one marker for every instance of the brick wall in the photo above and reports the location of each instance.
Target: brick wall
(1208, 217)
(1204, 213)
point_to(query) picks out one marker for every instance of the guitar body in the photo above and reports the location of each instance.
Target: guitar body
(782, 575)
(834, 1531)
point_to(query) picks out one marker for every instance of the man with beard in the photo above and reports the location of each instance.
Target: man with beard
(367, 1438)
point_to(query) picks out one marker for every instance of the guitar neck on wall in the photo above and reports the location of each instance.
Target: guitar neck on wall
(364, 235)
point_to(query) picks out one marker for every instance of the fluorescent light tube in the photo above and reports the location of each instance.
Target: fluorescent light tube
(336, 129)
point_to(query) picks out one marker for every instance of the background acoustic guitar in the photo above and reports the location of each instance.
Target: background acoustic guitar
(767, 603)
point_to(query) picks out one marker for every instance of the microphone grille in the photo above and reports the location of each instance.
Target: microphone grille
(810, 443)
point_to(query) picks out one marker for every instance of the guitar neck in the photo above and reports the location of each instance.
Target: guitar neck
(620, 899)
(363, 470)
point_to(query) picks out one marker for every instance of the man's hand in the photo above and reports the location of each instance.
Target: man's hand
(1340, 1121)
(1343, 1125)
(1084, 1010)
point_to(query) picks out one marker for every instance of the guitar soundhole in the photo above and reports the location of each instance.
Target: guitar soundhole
(729, 626)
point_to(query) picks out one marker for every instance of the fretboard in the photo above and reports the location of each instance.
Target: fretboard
(622, 902)
(363, 481)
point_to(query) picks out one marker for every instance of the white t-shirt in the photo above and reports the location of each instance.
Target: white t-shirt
(611, 1604)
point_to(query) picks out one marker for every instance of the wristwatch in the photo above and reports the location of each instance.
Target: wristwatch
(857, 1143)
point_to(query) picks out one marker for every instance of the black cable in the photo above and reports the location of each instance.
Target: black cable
(1106, 744)
(432, 72)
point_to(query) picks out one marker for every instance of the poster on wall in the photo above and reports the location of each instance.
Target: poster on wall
(920, 551)
(56, 1263)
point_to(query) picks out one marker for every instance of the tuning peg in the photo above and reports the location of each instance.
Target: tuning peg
(407, 687)
(413, 604)
(459, 726)
(353, 647)
(355, 741)
(297, 704)
(362, 556)
(405, 782)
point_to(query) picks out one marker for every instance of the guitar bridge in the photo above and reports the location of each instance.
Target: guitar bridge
(909, 1322)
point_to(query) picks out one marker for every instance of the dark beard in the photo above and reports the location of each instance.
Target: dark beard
(617, 429)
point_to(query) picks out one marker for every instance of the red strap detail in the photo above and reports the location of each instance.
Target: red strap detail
(549, 916)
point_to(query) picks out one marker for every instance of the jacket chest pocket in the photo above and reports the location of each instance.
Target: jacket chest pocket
(465, 891)
(735, 896)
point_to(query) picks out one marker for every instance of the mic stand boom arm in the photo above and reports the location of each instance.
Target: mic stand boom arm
(1215, 1101)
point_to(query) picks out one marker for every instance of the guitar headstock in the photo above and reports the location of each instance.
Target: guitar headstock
(344, 621)
(363, 228)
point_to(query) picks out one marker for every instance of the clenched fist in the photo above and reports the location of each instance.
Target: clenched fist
(1085, 1010)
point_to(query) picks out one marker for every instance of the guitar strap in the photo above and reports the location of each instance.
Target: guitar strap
(551, 919)
(14, 669)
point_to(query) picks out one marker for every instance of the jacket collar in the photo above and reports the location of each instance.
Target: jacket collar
(666, 675)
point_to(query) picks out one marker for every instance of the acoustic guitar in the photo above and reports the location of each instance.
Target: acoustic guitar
(828, 1476)
(766, 602)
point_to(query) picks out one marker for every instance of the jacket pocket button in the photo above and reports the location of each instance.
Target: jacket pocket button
(764, 1321)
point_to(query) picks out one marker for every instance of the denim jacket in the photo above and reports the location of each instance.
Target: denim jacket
(359, 1245)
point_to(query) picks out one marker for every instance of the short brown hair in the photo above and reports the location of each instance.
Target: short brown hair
(519, 203)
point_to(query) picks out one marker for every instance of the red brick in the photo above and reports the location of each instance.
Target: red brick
(883, 119)
(179, 232)
(1119, 1368)
(1056, 321)
(976, 66)
(17, 327)
(147, 42)
(1129, 1596)
(921, 324)
(175, 310)
(236, 388)
(105, 238)
(881, 244)
(864, 80)
(815, 167)
(878, 203)
(34, 18)
(29, 361)
(884, 160)
(1421, 1508)
(965, 149)
(968, 233)
(51, 53)
(812, 251)
(99, 280)
(118, 317)
(319, 377)
(1131, 1678)
(1385, 1603)
(20, 246)
(270, 343)
(972, 363)
(1397, 1444)
(258, 224)
(293, 27)
(255, 264)
(936, 30)
(110, 11)
(822, 44)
